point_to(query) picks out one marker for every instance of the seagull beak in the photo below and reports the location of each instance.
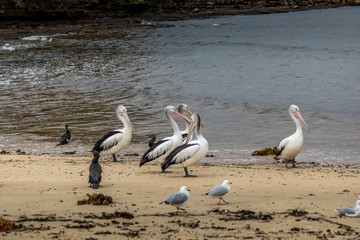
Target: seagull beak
(298, 115)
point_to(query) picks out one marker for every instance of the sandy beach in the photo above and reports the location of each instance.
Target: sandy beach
(39, 196)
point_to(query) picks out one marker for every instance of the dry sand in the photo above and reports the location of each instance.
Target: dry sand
(39, 195)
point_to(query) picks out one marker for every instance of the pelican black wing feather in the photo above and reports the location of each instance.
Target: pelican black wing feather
(172, 156)
(184, 136)
(98, 145)
(147, 157)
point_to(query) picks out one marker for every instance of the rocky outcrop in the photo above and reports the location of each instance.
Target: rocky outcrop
(80, 9)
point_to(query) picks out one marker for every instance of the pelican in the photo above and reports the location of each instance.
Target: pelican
(191, 152)
(66, 137)
(158, 151)
(178, 199)
(115, 141)
(291, 146)
(185, 110)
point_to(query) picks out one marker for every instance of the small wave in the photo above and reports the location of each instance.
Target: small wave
(39, 38)
(8, 47)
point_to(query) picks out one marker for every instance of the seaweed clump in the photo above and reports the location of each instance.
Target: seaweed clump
(266, 151)
(6, 225)
(96, 199)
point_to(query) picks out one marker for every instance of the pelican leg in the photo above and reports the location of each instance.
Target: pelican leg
(115, 159)
(164, 171)
(294, 163)
(285, 160)
(187, 173)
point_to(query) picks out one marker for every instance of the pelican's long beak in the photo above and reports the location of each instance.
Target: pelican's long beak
(181, 117)
(298, 115)
(128, 121)
(189, 114)
(191, 130)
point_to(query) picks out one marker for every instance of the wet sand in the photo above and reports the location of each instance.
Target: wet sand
(40, 194)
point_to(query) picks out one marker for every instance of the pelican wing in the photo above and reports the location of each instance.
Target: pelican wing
(178, 198)
(108, 141)
(180, 154)
(156, 150)
(281, 147)
(218, 191)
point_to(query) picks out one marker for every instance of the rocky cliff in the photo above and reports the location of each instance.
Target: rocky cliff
(80, 9)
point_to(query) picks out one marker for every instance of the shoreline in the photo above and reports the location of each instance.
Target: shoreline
(40, 194)
(15, 28)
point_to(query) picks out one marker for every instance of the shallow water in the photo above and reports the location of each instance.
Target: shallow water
(240, 73)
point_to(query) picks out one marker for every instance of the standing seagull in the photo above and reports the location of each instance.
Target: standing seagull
(220, 191)
(350, 211)
(159, 150)
(115, 141)
(66, 137)
(95, 171)
(191, 152)
(291, 146)
(178, 199)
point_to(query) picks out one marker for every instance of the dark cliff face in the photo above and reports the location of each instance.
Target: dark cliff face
(73, 9)
(90, 9)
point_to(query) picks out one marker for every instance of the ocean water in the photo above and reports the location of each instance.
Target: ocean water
(240, 73)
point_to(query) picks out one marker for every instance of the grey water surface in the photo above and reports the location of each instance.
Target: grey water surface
(240, 73)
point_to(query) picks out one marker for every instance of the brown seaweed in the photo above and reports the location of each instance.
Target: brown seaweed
(96, 199)
(266, 151)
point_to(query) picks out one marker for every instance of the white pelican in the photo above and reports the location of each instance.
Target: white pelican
(95, 171)
(178, 199)
(66, 137)
(115, 141)
(158, 151)
(185, 110)
(220, 191)
(191, 152)
(291, 146)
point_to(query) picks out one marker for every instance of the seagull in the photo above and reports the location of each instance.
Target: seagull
(95, 171)
(178, 199)
(350, 211)
(152, 140)
(66, 137)
(115, 141)
(158, 151)
(191, 152)
(220, 191)
(291, 146)
(185, 110)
